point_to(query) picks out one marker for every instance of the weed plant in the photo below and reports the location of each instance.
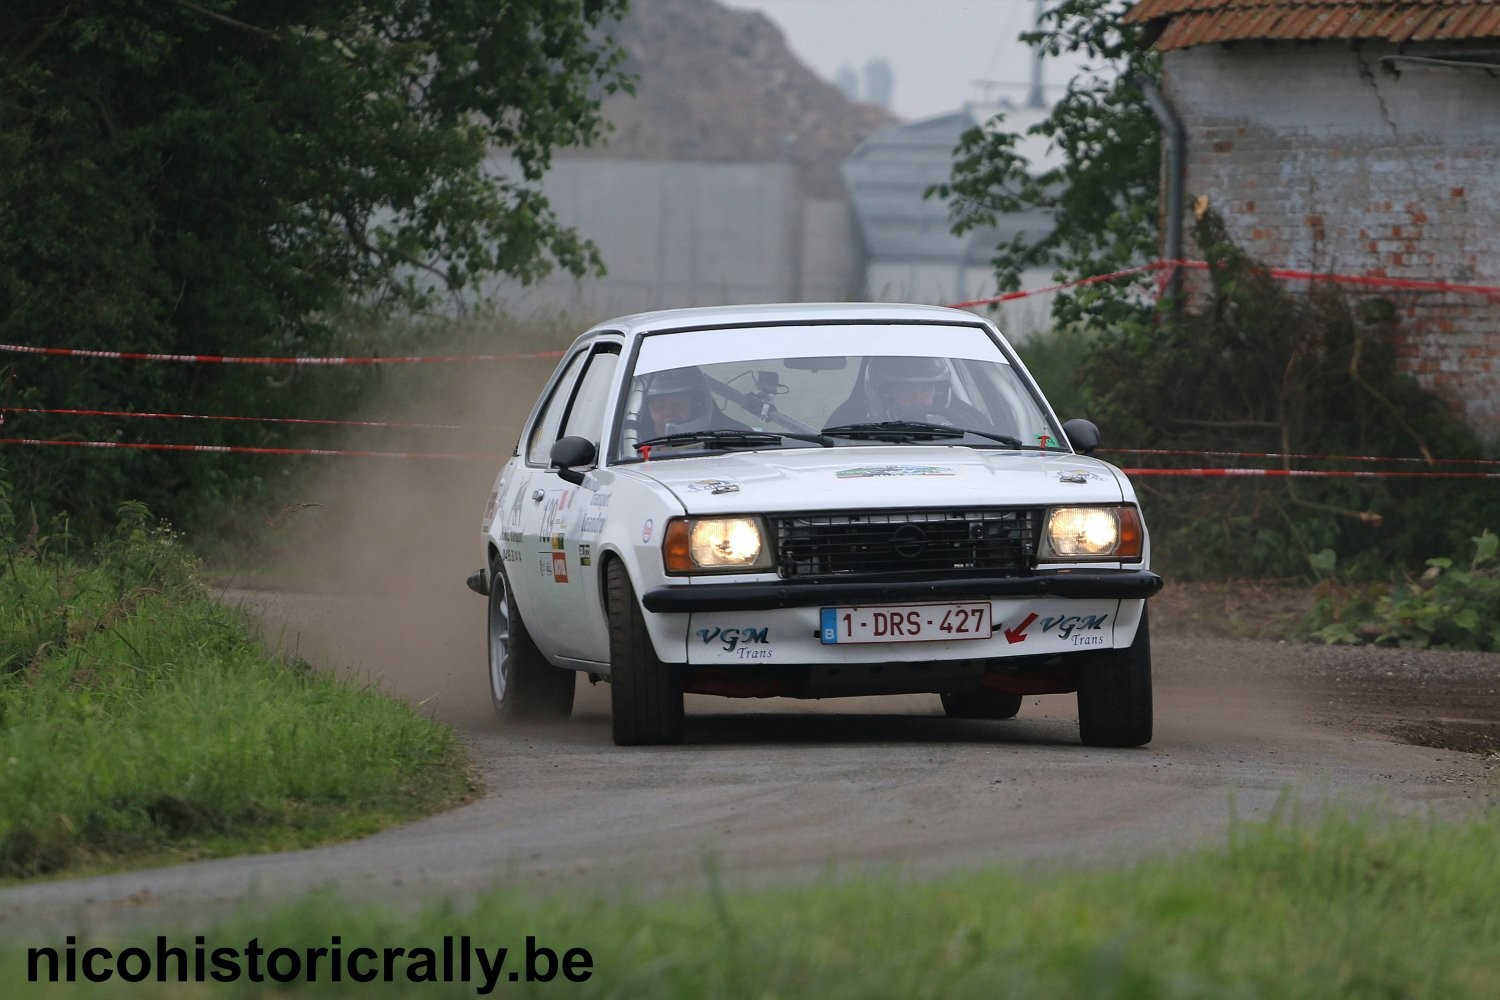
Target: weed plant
(137, 718)
(1453, 604)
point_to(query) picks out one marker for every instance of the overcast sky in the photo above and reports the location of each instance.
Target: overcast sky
(940, 50)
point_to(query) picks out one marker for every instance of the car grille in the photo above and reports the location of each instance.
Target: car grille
(983, 542)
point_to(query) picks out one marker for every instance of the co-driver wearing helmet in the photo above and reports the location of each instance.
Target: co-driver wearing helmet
(909, 388)
(678, 400)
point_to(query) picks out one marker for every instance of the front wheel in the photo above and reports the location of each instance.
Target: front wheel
(524, 687)
(1114, 694)
(645, 694)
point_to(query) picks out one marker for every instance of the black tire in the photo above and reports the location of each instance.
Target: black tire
(981, 705)
(1114, 694)
(645, 694)
(524, 687)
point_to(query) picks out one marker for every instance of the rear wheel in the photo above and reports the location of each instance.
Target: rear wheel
(524, 687)
(981, 705)
(1114, 694)
(645, 694)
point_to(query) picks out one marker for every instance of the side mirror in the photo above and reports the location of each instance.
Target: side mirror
(1082, 434)
(570, 452)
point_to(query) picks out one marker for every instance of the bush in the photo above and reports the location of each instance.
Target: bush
(1253, 369)
(1452, 607)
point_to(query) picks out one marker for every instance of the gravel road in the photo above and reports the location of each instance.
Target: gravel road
(780, 790)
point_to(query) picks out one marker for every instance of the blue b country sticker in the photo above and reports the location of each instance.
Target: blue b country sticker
(883, 471)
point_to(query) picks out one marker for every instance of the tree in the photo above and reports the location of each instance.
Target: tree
(214, 176)
(1103, 198)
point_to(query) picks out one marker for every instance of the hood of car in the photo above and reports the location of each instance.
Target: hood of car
(884, 476)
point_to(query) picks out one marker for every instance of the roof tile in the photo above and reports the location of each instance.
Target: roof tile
(1185, 23)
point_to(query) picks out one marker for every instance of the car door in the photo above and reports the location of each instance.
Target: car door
(566, 608)
(531, 574)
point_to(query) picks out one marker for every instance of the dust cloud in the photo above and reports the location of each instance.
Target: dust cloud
(364, 571)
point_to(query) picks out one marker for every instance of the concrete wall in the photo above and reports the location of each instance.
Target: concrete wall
(685, 234)
(1320, 157)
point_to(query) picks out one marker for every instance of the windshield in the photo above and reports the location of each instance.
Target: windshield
(801, 387)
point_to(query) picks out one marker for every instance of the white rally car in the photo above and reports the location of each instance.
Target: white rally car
(811, 501)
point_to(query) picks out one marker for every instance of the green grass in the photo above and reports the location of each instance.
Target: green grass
(1339, 908)
(139, 722)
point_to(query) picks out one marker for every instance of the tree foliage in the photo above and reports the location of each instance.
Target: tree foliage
(1103, 196)
(216, 176)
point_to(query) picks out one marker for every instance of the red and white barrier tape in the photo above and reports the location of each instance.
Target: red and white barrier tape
(1368, 281)
(205, 416)
(1282, 273)
(1310, 474)
(222, 449)
(1299, 456)
(222, 359)
(1080, 282)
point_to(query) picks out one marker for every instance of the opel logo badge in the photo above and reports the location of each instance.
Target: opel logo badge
(908, 541)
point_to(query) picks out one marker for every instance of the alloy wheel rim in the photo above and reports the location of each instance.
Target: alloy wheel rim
(499, 638)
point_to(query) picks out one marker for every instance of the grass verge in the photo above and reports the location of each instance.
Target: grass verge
(140, 724)
(1342, 907)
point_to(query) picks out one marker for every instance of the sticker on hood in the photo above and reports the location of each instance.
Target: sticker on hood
(886, 471)
(718, 487)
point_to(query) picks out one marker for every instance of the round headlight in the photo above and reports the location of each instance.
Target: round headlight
(1083, 531)
(724, 542)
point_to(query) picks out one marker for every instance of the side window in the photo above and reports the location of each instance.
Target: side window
(586, 416)
(544, 433)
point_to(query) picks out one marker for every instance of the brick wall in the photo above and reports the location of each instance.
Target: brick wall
(1320, 158)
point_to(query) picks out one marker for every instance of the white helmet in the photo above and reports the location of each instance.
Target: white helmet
(883, 373)
(688, 382)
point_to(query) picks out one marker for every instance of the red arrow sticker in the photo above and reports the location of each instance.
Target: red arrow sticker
(1018, 634)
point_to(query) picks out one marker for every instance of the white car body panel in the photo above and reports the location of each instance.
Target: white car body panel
(552, 538)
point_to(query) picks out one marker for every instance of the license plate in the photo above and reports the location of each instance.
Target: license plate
(905, 623)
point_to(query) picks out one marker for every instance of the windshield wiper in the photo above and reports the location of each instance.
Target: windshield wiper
(894, 430)
(727, 438)
(1005, 439)
(913, 430)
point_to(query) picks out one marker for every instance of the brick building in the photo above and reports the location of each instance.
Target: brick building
(1359, 137)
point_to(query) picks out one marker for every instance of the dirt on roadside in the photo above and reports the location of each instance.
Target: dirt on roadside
(1450, 701)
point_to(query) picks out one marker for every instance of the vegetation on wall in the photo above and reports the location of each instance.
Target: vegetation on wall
(1247, 366)
(1252, 367)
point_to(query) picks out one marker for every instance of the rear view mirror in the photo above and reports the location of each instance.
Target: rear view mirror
(568, 453)
(1083, 435)
(829, 364)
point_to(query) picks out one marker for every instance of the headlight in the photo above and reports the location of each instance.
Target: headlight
(1093, 533)
(715, 544)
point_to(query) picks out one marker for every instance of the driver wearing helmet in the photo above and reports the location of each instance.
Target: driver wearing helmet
(916, 389)
(678, 400)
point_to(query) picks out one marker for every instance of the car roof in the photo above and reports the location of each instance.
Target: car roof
(780, 313)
